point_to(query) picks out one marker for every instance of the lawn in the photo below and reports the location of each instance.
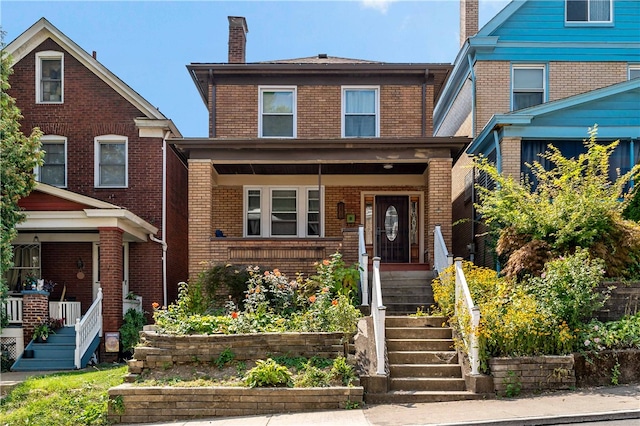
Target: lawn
(60, 399)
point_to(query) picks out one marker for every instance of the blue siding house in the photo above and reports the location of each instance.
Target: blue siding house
(540, 72)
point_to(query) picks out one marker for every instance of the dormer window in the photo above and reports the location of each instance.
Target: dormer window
(49, 77)
(588, 11)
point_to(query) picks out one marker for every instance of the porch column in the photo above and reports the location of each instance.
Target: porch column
(111, 263)
(438, 202)
(511, 149)
(35, 308)
(201, 181)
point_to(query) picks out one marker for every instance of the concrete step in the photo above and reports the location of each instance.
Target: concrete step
(406, 283)
(418, 333)
(438, 384)
(392, 275)
(422, 357)
(426, 370)
(422, 345)
(44, 364)
(408, 308)
(421, 321)
(411, 397)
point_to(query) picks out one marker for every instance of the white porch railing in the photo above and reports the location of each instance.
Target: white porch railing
(378, 312)
(363, 260)
(13, 309)
(465, 309)
(70, 311)
(88, 327)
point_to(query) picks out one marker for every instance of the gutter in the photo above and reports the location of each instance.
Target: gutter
(153, 238)
(473, 95)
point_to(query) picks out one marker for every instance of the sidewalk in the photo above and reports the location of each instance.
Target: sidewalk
(581, 405)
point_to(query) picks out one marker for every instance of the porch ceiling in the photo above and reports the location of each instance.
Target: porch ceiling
(338, 156)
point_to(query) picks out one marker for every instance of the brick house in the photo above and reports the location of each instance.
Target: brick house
(539, 72)
(107, 211)
(302, 151)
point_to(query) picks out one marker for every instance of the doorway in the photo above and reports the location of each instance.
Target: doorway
(392, 228)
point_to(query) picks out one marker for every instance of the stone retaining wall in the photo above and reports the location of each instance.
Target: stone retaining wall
(135, 404)
(623, 300)
(533, 374)
(607, 367)
(161, 351)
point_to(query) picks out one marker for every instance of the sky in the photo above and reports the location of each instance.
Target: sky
(148, 44)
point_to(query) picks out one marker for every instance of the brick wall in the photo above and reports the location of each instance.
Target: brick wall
(533, 374)
(177, 232)
(439, 202)
(200, 207)
(35, 308)
(59, 264)
(319, 111)
(111, 277)
(511, 164)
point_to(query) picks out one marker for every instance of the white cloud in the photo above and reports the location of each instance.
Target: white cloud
(380, 5)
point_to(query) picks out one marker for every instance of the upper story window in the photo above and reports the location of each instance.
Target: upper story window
(588, 10)
(361, 112)
(528, 86)
(111, 161)
(282, 212)
(634, 71)
(54, 168)
(49, 77)
(277, 112)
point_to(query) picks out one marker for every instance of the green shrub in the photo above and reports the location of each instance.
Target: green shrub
(219, 279)
(342, 371)
(132, 325)
(312, 376)
(268, 374)
(621, 334)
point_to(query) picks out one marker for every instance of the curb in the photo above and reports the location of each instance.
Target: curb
(553, 420)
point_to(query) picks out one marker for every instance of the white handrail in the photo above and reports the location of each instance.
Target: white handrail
(441, 257)
(378, 312)
(363, 260)
(87, 328)
(13, 309)
(464, 301)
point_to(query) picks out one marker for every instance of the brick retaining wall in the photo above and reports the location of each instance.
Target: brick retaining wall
(534, 374)
(162, 351)
(155, 404)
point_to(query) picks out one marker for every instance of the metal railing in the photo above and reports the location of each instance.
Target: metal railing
(13, 309)
(363, 260)
(70, 311)
(87, 328)
(378, 312)
(465, 309)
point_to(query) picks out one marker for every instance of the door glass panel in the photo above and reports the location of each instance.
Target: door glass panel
(391, 223)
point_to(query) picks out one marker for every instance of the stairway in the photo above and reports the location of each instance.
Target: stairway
(423, 364)
(404, 292)
(56, 354)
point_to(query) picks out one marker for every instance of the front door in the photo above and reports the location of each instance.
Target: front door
(392, 228)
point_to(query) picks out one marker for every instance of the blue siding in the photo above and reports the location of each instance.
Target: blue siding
(531, 32)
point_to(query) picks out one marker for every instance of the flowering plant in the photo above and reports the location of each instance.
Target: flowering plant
(46, 327)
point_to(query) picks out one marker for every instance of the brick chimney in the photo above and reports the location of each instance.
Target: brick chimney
(237, 39)
(468, 19)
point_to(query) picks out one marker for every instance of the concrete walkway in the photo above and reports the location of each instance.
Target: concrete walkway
(582, 405)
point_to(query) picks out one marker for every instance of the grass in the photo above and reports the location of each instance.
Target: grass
(61, 399)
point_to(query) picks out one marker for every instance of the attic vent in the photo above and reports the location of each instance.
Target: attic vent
(322, 56)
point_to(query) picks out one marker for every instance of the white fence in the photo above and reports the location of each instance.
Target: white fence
(13, 309)
(70, 311)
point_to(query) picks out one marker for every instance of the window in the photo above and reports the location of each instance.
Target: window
(49, 77)
(282, 212)
(360, 118)
(527, 86)
(54, 169)
(277, 113)
(26, 266)
(588, 10)
(111, 161)
(634, 71)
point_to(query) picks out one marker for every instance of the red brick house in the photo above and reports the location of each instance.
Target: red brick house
(108, 209)
(302, 151)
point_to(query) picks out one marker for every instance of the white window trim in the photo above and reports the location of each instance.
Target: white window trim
(49, 54)
(343, 107)
(588, 21)
(106, 139)
(55, 139)
(294, 89)
(542, 67)
(302, 195)
(633, 68)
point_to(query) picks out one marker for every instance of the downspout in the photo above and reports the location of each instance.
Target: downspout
(632, 159)
(496, 142)
(153, 238)
(473, 96)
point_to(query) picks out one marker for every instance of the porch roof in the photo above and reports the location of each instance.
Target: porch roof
(57, 214)
(337, 156)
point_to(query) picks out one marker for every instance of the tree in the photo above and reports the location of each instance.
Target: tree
(19, 154)
(574, 205)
